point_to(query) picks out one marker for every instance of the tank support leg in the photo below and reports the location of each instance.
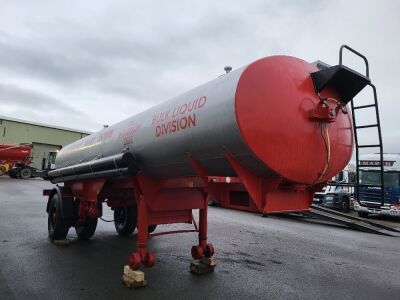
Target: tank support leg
(133, 277)
(203, 227)
(203, 252)
(142, 228)
(142, 256)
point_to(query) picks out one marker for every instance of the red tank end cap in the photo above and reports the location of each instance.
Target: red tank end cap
(274, 98)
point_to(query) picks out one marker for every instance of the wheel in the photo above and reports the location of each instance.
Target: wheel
(345, 204)
(13, 173)
(25, 173)
(56, 225)
(209, 250)
(151, 228)
(197, 252)
(2, 170)
(135, 261)
(125, 219)
(86, 230)
(150, 259)
(211, 201)
(363, 214)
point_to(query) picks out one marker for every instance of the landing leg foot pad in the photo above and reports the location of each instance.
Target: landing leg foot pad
(205, 265)
(133, 278)
(65, 242)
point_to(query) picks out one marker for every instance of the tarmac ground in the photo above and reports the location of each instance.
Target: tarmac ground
(257, 258)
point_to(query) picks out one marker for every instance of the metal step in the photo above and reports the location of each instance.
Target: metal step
(370, 146)
(366, 126)
(352, 221)
(364, 106)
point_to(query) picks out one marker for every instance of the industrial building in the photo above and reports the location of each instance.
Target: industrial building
(46, 140)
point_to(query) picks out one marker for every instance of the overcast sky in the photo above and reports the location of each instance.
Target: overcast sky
(81, 64)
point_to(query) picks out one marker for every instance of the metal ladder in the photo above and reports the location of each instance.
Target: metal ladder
(376, 125)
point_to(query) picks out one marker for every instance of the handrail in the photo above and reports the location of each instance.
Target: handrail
(356, 53)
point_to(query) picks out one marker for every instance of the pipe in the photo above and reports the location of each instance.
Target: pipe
(114, 162)
(127, 171)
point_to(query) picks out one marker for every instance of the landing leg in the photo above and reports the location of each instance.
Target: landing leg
(142, 256)
(132, 276)
(203, 252)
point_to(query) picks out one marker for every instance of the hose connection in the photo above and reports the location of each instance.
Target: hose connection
(323, 112)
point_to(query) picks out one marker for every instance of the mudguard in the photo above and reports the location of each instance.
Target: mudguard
(67, 205)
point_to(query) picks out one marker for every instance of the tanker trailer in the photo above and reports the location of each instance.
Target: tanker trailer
(278, 127)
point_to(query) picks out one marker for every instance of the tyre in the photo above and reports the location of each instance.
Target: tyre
(151, 228)
(2, 170)
(56, 225)
(211, 201)
(125, 219)
(363, 214)
(25, 173)
(345, 205)
(13, 173)
(86, 230)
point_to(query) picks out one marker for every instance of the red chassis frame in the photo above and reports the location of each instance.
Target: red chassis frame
(168, 201)
(158, 201)
(265, 195)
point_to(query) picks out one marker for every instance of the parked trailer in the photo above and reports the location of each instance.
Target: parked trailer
(15, 160)
(279, 127)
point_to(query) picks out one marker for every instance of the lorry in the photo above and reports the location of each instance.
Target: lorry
(15, 161)
(335, 195)
(370, 193)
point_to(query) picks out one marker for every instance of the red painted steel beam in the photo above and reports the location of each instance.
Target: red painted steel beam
(211, 188)
(172, 232)
(252, 183)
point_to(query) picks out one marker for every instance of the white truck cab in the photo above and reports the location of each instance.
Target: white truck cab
(338, 197)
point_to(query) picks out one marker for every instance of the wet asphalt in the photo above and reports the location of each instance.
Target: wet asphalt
(258, 258)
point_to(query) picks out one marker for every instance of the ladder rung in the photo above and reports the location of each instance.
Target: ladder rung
(367, 126)
(369, 146)
(364, 106)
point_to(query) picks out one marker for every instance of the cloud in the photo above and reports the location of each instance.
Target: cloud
(13, 95)
(102, 62)
(29, 104)
(38, 60)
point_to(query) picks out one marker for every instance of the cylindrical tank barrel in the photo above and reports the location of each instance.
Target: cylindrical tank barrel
(259, 113)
